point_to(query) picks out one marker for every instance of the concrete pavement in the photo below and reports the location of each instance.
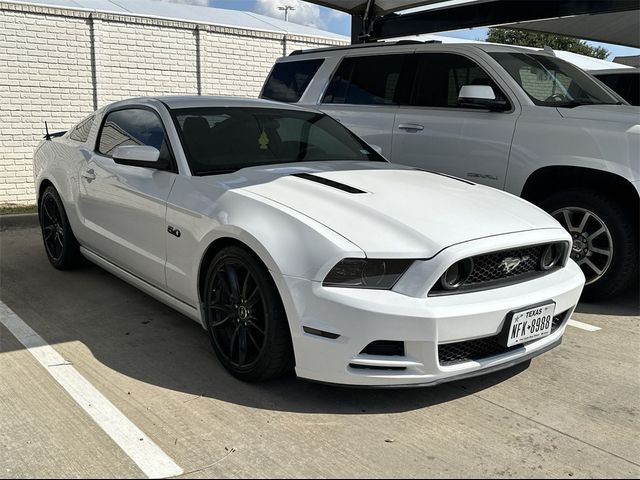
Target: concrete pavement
(574, 412)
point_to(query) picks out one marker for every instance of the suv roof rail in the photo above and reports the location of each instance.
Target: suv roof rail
(363, 45)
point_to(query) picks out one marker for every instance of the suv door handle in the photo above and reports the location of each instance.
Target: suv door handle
(411, 126)
(89, 175)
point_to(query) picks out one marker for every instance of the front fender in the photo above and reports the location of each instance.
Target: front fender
(287, 242)
(555, 141)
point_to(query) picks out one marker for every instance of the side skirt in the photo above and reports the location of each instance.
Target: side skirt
(192, 312)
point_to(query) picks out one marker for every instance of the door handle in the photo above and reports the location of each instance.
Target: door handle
(89, 175)
(411, 127)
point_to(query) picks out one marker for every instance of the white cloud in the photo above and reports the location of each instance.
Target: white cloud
(304, 13)
(201, 3)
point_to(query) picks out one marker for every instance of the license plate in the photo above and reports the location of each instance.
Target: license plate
(530, 324)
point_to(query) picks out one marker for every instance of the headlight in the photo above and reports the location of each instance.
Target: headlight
(551, 256)
(366, 273)
(456, 274)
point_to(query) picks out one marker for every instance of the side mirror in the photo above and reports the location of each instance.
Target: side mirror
(137, 156)
(481, 96)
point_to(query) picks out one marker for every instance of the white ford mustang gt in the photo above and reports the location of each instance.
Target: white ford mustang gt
(296, 245)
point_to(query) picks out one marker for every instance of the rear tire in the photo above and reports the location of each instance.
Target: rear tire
(61, 246)
(247, 324)
(598, 224)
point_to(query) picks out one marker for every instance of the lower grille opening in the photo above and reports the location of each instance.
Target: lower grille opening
(367, 367)
(461, 352)
(385, 348)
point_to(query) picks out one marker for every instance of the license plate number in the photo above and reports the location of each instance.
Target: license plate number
(530, 324)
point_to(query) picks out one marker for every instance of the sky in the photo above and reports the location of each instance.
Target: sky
(333, 21)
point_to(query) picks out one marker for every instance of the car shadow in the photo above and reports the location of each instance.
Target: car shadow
(627, 304)
(136, 336)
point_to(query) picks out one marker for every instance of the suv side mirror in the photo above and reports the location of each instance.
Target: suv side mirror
(480, 96)
(138, 156)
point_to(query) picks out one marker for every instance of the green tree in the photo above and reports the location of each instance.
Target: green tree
(534, 39)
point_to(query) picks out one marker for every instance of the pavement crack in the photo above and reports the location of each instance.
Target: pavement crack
(229, 452)
(556, 430)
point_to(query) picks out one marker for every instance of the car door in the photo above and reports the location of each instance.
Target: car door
(124, 207)
(434, 133)
(363, 95)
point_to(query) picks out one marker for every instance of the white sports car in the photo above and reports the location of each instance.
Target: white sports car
(296, 245)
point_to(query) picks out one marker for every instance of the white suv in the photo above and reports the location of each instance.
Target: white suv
(519, 120)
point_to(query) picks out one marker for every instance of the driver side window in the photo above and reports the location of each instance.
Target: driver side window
(440, 76)
(133, 126)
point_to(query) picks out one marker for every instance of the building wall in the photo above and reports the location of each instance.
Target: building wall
(58, 65)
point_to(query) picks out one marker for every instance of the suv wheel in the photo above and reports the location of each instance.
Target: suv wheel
(605, 240)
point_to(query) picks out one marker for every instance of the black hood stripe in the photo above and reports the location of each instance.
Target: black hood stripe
(327, 182)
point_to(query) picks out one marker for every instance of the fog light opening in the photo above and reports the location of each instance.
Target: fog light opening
(456, 274)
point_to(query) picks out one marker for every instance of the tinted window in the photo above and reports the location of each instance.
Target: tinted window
(80, 132)
(440, 76)
(221, 140)
(289, 80)
(132, 126)
(627, 85)
(549, 81)
(370, 80)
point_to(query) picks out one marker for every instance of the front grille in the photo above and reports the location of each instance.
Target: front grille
(488, 270)
(461, 352)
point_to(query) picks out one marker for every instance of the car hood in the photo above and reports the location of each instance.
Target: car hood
(625, 114)
(401, 211)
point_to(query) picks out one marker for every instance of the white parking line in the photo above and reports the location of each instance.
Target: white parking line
(133, 441)
(583, 326)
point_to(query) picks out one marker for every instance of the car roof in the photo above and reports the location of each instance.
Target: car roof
(411, 45)
(204, 101)
(608, 71)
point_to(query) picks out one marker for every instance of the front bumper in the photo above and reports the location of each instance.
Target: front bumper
(361, 317)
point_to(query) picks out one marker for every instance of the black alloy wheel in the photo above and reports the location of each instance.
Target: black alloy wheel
(60, 243)
(245, 317)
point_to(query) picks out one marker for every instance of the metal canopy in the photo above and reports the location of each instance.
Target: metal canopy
(621, 27)
(381, 7)
(609, 21)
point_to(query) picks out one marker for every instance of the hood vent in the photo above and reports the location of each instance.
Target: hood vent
(328, 183)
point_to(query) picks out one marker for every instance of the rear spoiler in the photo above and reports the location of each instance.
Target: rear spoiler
(49, 136)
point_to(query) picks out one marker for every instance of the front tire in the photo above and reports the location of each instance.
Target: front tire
(605, 239)
(245, 317)
(63, 250)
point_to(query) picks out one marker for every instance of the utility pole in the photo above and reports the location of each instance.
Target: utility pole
(286, 11)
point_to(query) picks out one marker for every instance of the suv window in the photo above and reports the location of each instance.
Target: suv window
(440, 76)
(370, 80)
(289, 80)
(80, 132)
(552, 82)
(627, 85)
(133, 126)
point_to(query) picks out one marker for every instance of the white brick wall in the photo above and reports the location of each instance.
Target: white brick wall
(237, 65)
(48, 71)
(45, 74)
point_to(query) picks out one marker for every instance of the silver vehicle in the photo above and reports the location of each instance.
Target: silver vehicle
(516, 119)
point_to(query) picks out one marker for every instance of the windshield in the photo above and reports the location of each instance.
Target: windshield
(224, 139)
(552, 82)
